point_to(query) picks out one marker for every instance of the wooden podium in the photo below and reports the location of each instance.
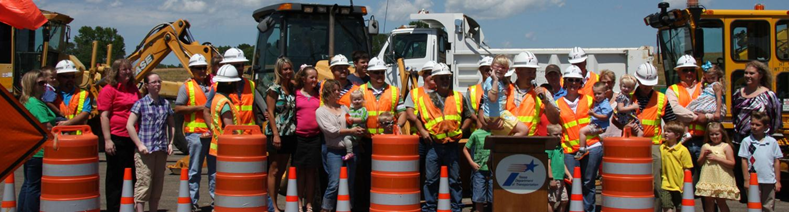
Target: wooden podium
(519, 171)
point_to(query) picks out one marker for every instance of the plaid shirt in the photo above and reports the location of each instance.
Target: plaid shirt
(153, 122)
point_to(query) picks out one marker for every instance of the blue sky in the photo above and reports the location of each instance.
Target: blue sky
(506, 23)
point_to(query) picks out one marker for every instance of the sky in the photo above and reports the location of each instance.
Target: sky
(505, 23)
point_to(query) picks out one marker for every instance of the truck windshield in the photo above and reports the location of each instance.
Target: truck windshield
(674, 43)
(407, 46)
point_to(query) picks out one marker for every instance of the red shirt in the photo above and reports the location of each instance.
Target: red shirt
(542, 128)
(118, 100)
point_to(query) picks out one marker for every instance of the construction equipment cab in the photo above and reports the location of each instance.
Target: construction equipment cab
(729, 39)
(307, 34)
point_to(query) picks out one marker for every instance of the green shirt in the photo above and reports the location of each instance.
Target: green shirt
(44, 115)
(557, 162)
(476, 143)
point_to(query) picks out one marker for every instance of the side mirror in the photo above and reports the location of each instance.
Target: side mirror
(458, 26)
(265, 24)
(372, 26)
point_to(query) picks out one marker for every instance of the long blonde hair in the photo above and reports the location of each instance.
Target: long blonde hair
(112, 75)
(719, 127)
(29, 81)
(278, 69)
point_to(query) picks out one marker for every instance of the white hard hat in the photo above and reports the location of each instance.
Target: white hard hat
(441, 69)
(197, 60)
(227, 73)
(525, 60)
(234, 55)
(428, 65)
(340, 60)
(573, 72)
(686, 61)
(65, 66)
(647, 74)
(485, 61)
(510, 72)
(376, 64)
(577, 55)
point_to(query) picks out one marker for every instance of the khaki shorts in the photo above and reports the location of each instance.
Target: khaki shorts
(510, 121)
(150, 170)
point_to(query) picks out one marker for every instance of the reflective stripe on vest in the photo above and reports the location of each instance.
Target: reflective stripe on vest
(194, 121)
(443, 125)
(216, 122)
(573, 122)
(651, 117)
(415, 94)
(475, 96)
(75, 105)
(387, 103)
(528, 111)
(684, 99)
(244, 104)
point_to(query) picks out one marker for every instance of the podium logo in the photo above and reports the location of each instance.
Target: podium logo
(521, 174)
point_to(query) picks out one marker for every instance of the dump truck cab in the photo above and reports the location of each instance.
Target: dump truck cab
(302, 32)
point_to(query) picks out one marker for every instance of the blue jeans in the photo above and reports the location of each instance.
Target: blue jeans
(198, 150)
(30, 193)
(332, 162)
(482, 187)
(442, 155)
(589, 167)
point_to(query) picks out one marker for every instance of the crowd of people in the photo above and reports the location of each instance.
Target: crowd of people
(330, 124)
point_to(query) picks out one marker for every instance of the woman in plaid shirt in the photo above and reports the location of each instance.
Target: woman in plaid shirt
(154, 142)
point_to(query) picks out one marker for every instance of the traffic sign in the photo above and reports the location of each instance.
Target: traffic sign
(21, 135)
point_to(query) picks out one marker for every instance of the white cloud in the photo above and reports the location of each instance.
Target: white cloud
(506, 44)
(530, 36)
(93, 1)
(184, 5)
(116, 3)
(496, 9)
(678, 4)
(401, 9)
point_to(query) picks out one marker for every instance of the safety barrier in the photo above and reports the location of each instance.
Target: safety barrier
(127, 193)
(576, 198)
(395, 173)
(444, 204)
(70, 178)
(627, 174)
(241, 170)
(343, 197)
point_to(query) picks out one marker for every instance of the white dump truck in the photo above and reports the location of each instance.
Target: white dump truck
(458, 41)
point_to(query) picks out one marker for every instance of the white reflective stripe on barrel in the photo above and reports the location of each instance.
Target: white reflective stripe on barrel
(627, 168)
(628, 202)
(394, 199)
(240, 201)
(241, 167)
(184, 207)
(71, 205)
(395, 165)
(71, 170)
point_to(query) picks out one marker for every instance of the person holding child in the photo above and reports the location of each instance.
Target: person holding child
(600, 118)
(716, 180)
(760, 154)
(494, 95)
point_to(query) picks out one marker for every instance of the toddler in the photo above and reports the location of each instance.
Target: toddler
(710, 100)
(600, 117)
(626, 105)
(358, 118)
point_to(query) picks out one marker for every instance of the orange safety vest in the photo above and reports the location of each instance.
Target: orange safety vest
(345, 99)
(652, 116)
(386, 103)
(684, 99)
(475, 96)
(444, 126)
(587, 89)
(244, 104)
(75, 105)
(528, 111)
(416, 93)
(216, 124)
(573, 122)
(194, 121)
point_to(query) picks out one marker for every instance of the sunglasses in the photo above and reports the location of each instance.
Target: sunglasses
(687, 70)
(573, 80)
(201, 68)
(375, 72)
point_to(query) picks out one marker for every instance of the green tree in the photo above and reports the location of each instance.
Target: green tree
(378, 43)
(82, 46)
(246, 48)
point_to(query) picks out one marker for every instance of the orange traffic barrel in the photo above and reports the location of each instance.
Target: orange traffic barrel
(395, 173)
(627, 174)
(241, 169)
(70, 179)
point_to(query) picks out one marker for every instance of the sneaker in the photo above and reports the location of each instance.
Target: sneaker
(195, 208)
(580, 155)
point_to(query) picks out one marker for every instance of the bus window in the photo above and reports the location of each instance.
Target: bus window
(738, 81)
(713, 41)
(750, 40)
(782, 39)
(782, 85)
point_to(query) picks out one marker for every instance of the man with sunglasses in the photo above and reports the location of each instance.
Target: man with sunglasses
(72, 101)
(190, 102)
(441, 113)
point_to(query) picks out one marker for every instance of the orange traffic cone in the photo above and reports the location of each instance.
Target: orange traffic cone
(184, 202)
(9, 202)
(443, 191)
(292, 198)
(343, 199)
(127, 197)
(754, 201)
(576, 198)
(688, 203)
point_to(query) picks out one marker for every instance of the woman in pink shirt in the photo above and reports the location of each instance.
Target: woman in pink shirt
(308, 135)
(115, 102)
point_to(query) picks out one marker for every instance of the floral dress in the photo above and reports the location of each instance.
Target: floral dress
(284, 112)
(715, 180)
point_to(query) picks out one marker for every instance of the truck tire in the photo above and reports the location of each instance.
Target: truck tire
(180, 142)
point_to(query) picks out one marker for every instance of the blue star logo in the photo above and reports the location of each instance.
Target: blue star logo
(530, 166)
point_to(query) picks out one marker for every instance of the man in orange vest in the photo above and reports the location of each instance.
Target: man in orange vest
(339, 69)
(527, 101)
(474, 92)
(244, 97)
(577, 57)
(190, 103)
(653, 110)
(428, 86)
(72, 101)
(441, 114)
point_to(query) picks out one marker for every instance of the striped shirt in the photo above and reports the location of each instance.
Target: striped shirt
(643, 100)
(153, 122)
